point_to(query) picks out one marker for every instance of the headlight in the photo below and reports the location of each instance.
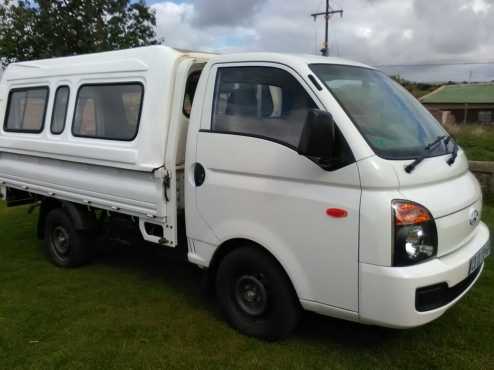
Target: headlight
(415, 234)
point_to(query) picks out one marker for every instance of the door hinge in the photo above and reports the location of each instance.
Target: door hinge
(163, 174)
(166, 184)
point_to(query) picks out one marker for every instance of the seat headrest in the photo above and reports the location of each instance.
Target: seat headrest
(242, 101)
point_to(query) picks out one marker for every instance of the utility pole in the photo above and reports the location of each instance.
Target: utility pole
(329, 11)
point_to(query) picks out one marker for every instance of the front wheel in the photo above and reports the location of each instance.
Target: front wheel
(256, 295)
(64, 245)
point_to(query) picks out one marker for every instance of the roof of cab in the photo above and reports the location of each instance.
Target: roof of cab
(285, 59)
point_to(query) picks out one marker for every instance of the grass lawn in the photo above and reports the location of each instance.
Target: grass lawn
(476, 140)
(143, 308)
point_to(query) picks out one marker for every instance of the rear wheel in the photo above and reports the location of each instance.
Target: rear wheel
(64, 245)
(256, 295)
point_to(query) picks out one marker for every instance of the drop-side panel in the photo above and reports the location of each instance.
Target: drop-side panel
(135, 193)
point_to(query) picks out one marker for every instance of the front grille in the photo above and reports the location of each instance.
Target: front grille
(438, 295)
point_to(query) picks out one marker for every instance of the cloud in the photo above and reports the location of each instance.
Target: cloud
(376, 32)
(177, 25)
(225, 12)
(435, 19)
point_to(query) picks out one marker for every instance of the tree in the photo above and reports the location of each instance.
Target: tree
(36, 29)
(418, 89)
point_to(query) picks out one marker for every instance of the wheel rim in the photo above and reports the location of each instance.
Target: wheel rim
(251, 295)
(60, 240)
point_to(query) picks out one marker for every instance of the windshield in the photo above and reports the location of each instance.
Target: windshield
(392, 121)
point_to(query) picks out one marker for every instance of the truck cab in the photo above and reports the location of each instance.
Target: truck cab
(306, 183)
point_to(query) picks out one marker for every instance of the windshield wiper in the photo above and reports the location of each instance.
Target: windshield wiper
(437, 141)
(409, 168)
(447, 140)
(454, 154)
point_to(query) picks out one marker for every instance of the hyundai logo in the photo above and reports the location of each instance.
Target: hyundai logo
(474, 217)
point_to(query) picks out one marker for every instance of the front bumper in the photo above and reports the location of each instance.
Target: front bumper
(388, 294)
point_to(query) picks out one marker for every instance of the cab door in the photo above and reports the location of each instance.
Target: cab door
(250, 182)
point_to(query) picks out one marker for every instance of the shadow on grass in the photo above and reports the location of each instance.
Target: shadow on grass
(164, 266)
(317, 328)
(169, 268)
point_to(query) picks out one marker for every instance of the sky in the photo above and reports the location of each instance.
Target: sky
(376, 32)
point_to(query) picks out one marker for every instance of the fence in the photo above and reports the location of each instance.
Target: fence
(484, 171)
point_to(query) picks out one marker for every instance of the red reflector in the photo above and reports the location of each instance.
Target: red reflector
(336, 212)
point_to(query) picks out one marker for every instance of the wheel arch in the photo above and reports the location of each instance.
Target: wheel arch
(80, 216)
(230, 245)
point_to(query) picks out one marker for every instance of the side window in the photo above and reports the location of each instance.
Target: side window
(26, 110)
(60, 106)
(190, 91)
(86, 117)
(264, 102)
(108, 111)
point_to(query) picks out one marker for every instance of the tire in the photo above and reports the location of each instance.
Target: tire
(64, 245)
(255, 294)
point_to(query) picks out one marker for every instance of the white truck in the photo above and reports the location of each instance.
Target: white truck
(301, 182)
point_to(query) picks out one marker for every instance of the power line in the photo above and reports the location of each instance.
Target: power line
(329, 12)
(433, 64)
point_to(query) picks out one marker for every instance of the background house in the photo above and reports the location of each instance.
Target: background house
(473, 103)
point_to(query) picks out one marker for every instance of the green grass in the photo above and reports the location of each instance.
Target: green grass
(142, 308)
(477, 141)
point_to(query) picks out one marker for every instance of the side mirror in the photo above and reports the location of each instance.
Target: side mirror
(318, 135)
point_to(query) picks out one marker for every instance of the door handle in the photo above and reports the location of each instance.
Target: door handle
(199, 174)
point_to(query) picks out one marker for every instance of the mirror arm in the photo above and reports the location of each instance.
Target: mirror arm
(327, 164)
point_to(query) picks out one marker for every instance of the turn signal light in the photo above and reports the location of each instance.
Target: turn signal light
(408, 213)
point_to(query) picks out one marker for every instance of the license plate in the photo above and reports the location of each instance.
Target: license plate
(477, 260)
